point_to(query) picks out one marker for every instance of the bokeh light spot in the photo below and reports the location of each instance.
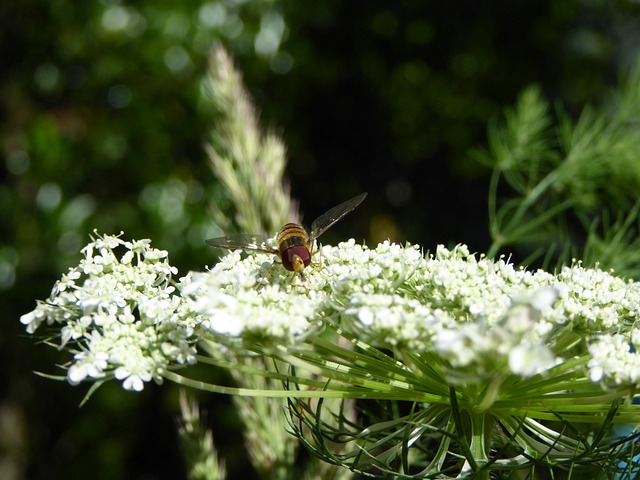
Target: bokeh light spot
(18, 162)
(47, 77)
(212, 15)
(77, 211)
(8, 263)
(177, 25)
(419, 32)
(115, 146)
(115, 18)
(398, 192)
(383, 227)
(281, 63)
(49, 196)
(119, 96)
(176, 58)
(385, 23)
(268, 39)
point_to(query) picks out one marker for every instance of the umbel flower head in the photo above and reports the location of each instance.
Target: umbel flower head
(118, 314)
(485, 354)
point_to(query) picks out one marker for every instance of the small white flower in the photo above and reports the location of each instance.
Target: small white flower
(87, 364)
(153, 254)
(132, 381)
(614, 362)
(128, 257)
(33, 319)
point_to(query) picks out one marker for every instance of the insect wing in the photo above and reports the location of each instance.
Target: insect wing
(327, 219)
(243, 241)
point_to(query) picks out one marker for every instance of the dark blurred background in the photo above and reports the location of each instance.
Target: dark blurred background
(103, 127)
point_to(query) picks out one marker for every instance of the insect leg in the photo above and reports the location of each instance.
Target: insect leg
(317, 264)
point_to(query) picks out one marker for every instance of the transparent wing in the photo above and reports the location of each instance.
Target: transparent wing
(243, 241)
(327, 219)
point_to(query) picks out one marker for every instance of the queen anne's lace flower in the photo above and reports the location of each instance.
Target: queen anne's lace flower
(120, 314)
(481, 317)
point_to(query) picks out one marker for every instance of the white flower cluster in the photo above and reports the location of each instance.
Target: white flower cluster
(351, 268)
(488, 316)
(479, 314)
(595, 301)
(120, 315)
(375, 295)
(252, 299)
(614, 360)
(480, 317)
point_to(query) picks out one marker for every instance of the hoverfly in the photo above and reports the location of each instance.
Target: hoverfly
(294, 243)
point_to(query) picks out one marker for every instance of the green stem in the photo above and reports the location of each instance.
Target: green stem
(534, 195)
(477, 446)
(490, 394)
(501, 236)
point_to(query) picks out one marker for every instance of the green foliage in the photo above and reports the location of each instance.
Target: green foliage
(556, 184)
